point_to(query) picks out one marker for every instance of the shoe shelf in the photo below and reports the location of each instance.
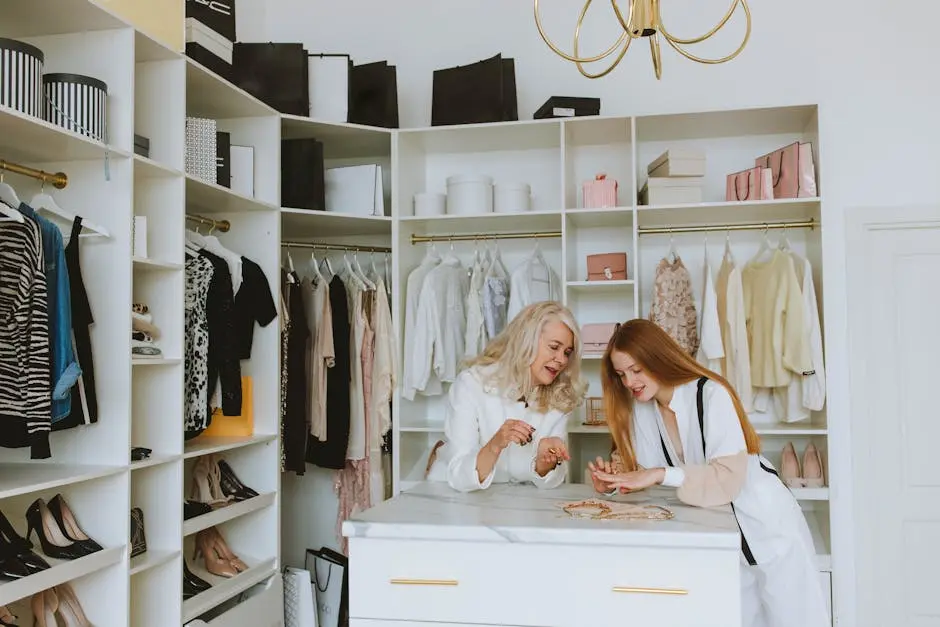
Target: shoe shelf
(24, 479)
(227, 513)
(224, 589)
(60, 573)
(220, 444)
(150, 559)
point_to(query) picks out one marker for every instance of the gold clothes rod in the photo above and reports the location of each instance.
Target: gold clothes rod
(59, 180)
(354, 247)
(470, 237)
(222, 225)
(723, 228)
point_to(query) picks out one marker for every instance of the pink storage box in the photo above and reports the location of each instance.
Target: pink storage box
(599, 193)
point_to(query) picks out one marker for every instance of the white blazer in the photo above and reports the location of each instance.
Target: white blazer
(769, 516)
(474, 413)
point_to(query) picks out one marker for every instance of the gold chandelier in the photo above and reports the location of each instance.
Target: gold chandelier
(643, 20)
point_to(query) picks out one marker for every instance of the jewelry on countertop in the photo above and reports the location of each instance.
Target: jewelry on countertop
(595, 509)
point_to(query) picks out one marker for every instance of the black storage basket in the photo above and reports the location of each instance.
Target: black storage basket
(21, 77)
(77, 103)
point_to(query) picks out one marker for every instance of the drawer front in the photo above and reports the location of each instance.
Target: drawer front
(540, 585)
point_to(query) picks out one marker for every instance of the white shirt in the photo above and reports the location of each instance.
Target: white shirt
(769, 515)
(413, 293)
(532, 282)
(475, 412)
(710, 348)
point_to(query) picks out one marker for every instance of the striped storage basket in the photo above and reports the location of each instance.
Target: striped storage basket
(21, 76)
(77, 103)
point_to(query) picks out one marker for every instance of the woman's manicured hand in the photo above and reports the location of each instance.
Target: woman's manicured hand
(632, 481)
(601, 465)
(552, 451)
(511, 431)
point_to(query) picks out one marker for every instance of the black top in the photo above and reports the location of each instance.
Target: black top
(253, 303)
(223, 338)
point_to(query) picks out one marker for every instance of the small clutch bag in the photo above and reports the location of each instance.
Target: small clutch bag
(138, 537)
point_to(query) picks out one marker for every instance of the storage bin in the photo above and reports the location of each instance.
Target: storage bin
(469, 195)
(671, 191)
(201, 149)
(21, 77)
(511, 197)
(78, 103)
(678, 162)
(430, 204)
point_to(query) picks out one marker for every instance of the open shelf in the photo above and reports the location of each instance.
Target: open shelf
(17, 479)
(227, 513)
(28, 139)
(150, 559)
(224, 589)
(60, 572)
(208, 95)
(32, 18)
(782, 210)
(203, 197)
(305, 224)
(340, 140)
(204, 445)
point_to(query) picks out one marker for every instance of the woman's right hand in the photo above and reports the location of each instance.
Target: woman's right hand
(512, 430)
(600, 465)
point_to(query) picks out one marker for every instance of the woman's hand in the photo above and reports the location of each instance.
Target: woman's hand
(552, 452)
(511, 431)
(632, 481)
(601, 465)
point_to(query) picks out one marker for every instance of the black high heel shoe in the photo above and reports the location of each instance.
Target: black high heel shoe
(19, 552)
(52, 539)
(192, 585)
(231, 486)
(67, 522)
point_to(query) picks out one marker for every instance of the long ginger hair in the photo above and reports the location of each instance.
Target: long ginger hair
(669, 365)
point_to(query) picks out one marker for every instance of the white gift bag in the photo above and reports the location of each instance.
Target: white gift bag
(298, 599)
(328, 570)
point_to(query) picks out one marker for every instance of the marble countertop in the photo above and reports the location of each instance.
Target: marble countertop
(522, 513)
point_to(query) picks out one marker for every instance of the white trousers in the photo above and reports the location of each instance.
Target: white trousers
(784, 592)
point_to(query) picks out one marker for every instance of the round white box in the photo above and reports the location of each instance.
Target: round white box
(511, 197)
(469, 195)
(430, 204)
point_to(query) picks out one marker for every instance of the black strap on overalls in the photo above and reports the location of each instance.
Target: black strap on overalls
(700, 406)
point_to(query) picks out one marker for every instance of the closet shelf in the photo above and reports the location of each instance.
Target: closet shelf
(599, 286)
(145, 167)
(789, 429)
(213, 198)
(153, 265)
(205, 445)
(227, 513)
(341, 140)
(483, 138)
(32, 18)
(483, 223)
(305, 224)
(30, 140)
(154, 460)
(147, 49)
(811, 494)
(224, 589)
(151, 559)
(424, 426)
(784, 209)
(150, 361)
(60, 572)
(600, 218)
(671, 127)
(208, 95)
(17, 479)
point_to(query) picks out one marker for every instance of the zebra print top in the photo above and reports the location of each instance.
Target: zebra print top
(25, 375)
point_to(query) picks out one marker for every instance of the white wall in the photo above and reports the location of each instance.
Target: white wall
(869, 64)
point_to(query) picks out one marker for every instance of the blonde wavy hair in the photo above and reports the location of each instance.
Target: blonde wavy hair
(513, 351)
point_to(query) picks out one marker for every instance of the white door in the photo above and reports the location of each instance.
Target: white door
(894, 350)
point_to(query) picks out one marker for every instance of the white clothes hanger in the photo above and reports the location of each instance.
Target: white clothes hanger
(765, 247)
(373, 271)
(728, 253)
(44, 202)
(9, 206)
(672, 255)
(347, 271)
(314, 268)
(784, 242)
(362, 275)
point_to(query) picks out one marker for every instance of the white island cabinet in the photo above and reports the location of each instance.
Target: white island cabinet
(509, 555)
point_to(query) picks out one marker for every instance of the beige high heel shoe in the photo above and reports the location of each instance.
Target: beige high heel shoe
(214, 561)
(207, 486)
(222, 549)
(812, 467)
(44, 604)
(790, 467)
(70, 613)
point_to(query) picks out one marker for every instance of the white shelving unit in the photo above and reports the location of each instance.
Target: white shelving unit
(151, 90)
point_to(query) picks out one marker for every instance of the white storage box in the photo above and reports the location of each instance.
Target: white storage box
(511, 197)
(77, 103)
(430, 204)
(469, 195)
(201, 35)
(678, 162)
(243, 170)
(21, 77)
(671, 191)
(201, 151)
(355, 189)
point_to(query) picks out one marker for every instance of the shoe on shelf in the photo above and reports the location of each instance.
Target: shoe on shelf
(70, 612)
(207, 486)
(52, 539)
(790, 467)
(231, 485)
(6, 616)
(812, 467)
(191, 509)
(215, 562)
(69, 524)
(45, 604)
(222, 549)
(192, 584)
(17, 559)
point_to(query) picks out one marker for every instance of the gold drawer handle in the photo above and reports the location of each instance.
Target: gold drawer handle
(423, 582)
(672, 591)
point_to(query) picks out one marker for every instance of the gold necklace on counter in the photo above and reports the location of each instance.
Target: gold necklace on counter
(595, 509)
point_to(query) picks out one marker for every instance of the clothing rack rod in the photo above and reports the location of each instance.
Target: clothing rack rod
(710, 228)
(469, 237)
(353, 247)
(59, 180)
(222, 225)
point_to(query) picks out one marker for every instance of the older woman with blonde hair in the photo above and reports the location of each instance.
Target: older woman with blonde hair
(507, 412)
